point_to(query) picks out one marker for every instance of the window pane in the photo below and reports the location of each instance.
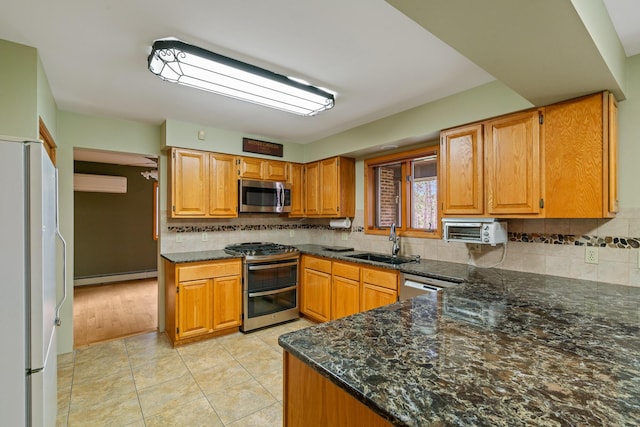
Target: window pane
(388, 181)
(424, 194)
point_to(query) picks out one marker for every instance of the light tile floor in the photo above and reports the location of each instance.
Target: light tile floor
(234, 380)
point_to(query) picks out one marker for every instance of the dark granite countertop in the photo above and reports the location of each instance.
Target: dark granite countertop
(503, 349)
(179, 257)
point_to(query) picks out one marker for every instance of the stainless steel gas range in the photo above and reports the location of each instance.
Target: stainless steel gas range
(269, 284)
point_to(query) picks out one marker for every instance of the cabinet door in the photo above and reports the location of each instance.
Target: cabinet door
(274, 170)
(227, 302)
(250, 168)
(194, 308)
(329, 187)
(316, 294)
(345, 297)
(512, 164)
(223, 186)
(461, 170)
(611, 202)
(297, 190)
(189, 183)
(375, 296)
(312, 189)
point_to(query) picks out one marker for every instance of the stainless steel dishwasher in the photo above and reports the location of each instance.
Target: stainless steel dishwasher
(412, 285)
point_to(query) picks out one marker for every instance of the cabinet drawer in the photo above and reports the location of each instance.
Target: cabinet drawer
(208, 270)
(318, 264)
(386, 279)
(348, 271)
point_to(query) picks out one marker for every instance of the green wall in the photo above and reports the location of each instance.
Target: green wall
(423, 122)
(113, 233)
(629, 137)
(18, 91)
(185, 135)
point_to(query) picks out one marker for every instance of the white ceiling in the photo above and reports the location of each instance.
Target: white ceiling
(378, 60)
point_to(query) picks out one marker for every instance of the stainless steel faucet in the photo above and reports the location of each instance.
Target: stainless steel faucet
(393, 237)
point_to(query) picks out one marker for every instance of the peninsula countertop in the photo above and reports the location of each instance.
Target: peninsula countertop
(503, 349)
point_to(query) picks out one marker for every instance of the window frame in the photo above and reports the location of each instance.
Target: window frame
(370, 193)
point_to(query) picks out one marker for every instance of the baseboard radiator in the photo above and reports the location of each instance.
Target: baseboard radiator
(97, 280)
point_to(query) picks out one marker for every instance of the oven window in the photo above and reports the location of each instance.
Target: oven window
(269, 304)
(266, 277)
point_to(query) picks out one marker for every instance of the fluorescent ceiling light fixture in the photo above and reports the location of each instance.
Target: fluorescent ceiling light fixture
(179, 62)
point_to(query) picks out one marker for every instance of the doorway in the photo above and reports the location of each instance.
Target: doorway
(115, 245)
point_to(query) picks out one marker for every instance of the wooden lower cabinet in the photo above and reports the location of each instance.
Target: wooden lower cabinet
(311, 400)
(376, 296)
(202, 299)
(316, 288)
(345, 289)
(331, 290)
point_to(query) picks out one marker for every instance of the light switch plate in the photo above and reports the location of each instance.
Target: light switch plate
(178, 237)
(292, 233)
(345, 235)
(205, 237)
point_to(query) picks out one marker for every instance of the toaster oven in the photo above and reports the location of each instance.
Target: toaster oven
(487, 231)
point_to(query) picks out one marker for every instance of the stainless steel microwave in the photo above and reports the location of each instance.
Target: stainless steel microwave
(264, 196)
(486, 231)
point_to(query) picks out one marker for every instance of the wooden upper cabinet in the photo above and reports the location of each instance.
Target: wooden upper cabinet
(275, 170)
(581, 157)
(223, 186)
(312, 189)
(461, 170)
(512, 164)
(330, 188)
(189, 174)
(250, 168)
(296, 179)
(203, 184)
(263, 169)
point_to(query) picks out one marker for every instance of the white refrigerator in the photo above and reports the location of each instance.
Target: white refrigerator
(28, 305)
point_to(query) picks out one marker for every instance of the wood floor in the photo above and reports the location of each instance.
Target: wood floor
(115, 310)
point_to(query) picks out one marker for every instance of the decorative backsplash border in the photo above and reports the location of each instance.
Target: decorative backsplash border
(552, 239)
(577, 240)
(255, 227)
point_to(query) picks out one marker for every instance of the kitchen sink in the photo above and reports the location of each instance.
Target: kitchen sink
(387, 259)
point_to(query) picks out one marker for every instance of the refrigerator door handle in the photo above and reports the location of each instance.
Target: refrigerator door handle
(64, 256)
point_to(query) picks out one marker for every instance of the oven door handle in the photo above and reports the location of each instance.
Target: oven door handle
(272, 266)
(272, 292)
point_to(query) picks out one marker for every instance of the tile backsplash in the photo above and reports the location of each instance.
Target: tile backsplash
(545, 246)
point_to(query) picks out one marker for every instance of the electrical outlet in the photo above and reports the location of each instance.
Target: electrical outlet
(345, 235)
(205, 238)
(292, 233)
(178, 237)
(638, 259)
(591, 255)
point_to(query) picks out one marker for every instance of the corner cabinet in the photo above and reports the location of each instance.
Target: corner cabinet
(202, 185)
(581, 146)
(330, 188)
(558, 161)
(202, 299)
